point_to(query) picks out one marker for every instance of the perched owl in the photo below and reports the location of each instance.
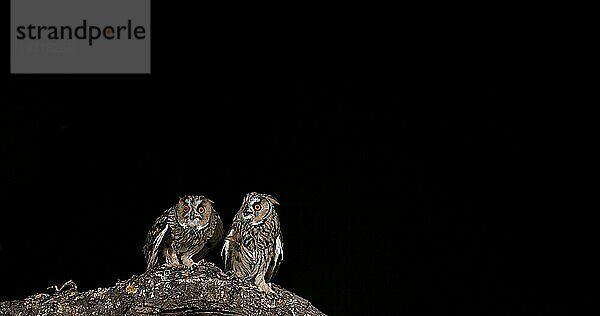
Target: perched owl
(190, 228)
(253, 249)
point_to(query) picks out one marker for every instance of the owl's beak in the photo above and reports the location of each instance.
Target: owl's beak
(247, 211)
(194, 214)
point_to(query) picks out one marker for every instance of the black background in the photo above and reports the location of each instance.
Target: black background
(405, 162)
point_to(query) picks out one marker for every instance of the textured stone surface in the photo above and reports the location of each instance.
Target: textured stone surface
(203, 290)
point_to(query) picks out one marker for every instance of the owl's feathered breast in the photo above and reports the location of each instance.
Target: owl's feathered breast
(184, 236)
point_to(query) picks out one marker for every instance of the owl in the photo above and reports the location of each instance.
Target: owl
(190, 228)
(253, 248)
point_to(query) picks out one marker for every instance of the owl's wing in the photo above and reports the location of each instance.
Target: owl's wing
(232, 242)
(218, 234)
(155, 239)
(226, 253)
(276, 260)
(214, 239)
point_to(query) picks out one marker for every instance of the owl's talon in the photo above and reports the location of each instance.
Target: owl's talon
(273, 295)
(196, 265)
(176, 266)
(266, 289)
(188, 263)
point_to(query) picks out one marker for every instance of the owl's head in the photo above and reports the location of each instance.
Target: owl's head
(257, 207)
(194, 210)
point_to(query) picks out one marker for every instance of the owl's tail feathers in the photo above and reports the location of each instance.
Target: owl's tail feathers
(153, 258)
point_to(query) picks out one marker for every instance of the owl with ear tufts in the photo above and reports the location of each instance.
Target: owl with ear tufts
(191, 228)
(253, 248)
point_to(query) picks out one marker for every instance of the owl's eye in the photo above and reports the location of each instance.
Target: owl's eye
(257, 207)
(186, 208)
(201, 209)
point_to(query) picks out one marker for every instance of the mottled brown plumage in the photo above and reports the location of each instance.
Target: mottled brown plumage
(185, 231)
(253, 247)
